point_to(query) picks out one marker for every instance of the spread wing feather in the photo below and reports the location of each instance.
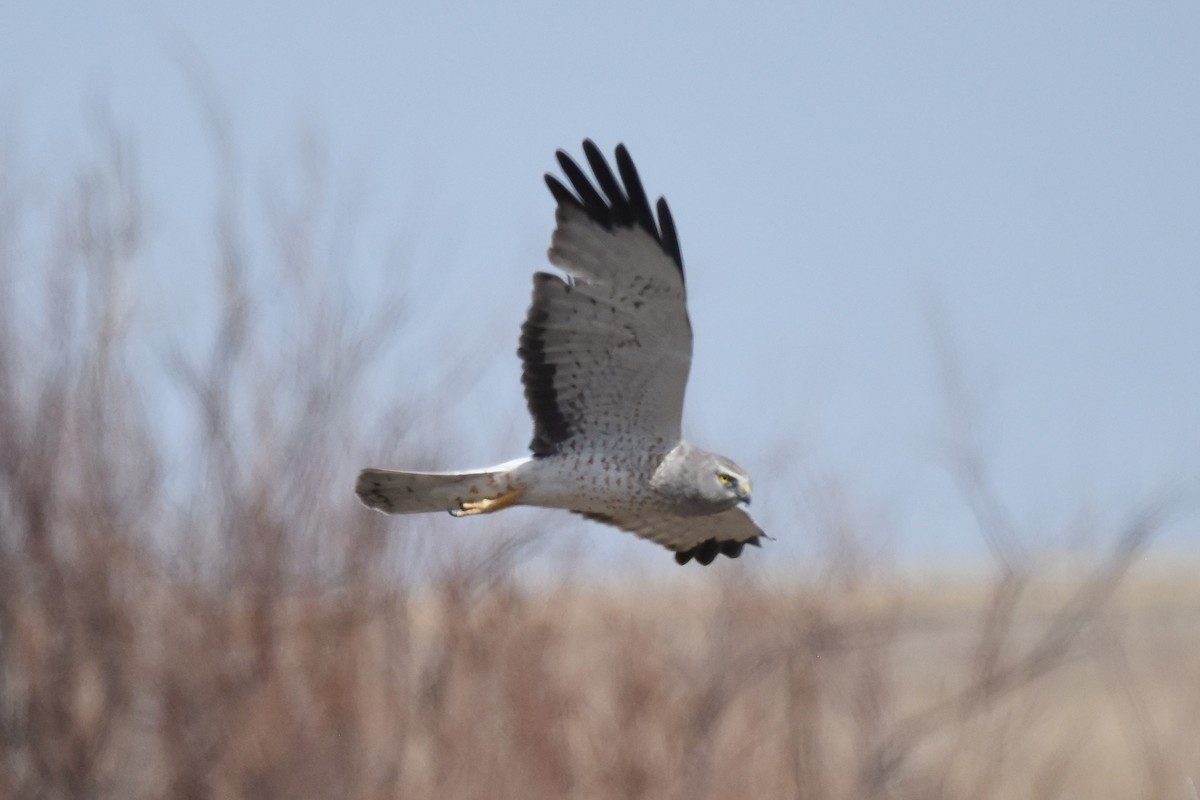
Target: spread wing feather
(606, 352)
(699, 537)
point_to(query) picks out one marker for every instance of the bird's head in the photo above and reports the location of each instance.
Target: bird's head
(727, 484)
(700, 482)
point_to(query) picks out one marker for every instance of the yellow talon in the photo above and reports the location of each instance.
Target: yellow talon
(469, 508)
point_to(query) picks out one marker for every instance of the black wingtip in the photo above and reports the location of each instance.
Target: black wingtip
(638, 202)
(618, 209)
(611, 201)
(731, 549)
(588, 198)
(707, 551)
(669, 237)
(562, 195)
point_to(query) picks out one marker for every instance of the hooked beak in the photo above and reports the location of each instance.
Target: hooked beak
(744, 493)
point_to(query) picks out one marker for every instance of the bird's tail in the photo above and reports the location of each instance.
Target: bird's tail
(457, 492)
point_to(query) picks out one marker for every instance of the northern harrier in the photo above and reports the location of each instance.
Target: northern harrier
(606, 353)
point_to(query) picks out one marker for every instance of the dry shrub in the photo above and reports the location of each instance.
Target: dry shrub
(240, 628)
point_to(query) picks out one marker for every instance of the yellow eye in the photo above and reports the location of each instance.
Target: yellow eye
(725, 478)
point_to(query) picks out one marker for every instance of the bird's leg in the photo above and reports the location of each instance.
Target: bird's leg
(469, 508)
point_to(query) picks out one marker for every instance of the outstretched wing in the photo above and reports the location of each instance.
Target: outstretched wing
(702, 537)
(606, 352)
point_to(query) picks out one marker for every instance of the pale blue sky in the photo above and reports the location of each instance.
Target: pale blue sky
(1031, 170)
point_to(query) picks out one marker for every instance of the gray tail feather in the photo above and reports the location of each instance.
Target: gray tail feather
(415, 492)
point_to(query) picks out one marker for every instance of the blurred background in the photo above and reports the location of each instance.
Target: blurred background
(942, 271)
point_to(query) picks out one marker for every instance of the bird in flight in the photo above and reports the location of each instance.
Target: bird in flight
(605, 352)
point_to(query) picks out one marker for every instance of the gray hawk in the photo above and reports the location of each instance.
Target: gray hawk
(605, 353)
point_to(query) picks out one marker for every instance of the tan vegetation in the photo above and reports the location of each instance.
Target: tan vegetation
(238, 627)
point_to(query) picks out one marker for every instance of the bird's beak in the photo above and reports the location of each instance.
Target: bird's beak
(744, 493)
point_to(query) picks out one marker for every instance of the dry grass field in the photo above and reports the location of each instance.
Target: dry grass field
(239, 628)
(119, 681)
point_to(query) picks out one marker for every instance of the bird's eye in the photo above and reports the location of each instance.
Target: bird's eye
(725, 478)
